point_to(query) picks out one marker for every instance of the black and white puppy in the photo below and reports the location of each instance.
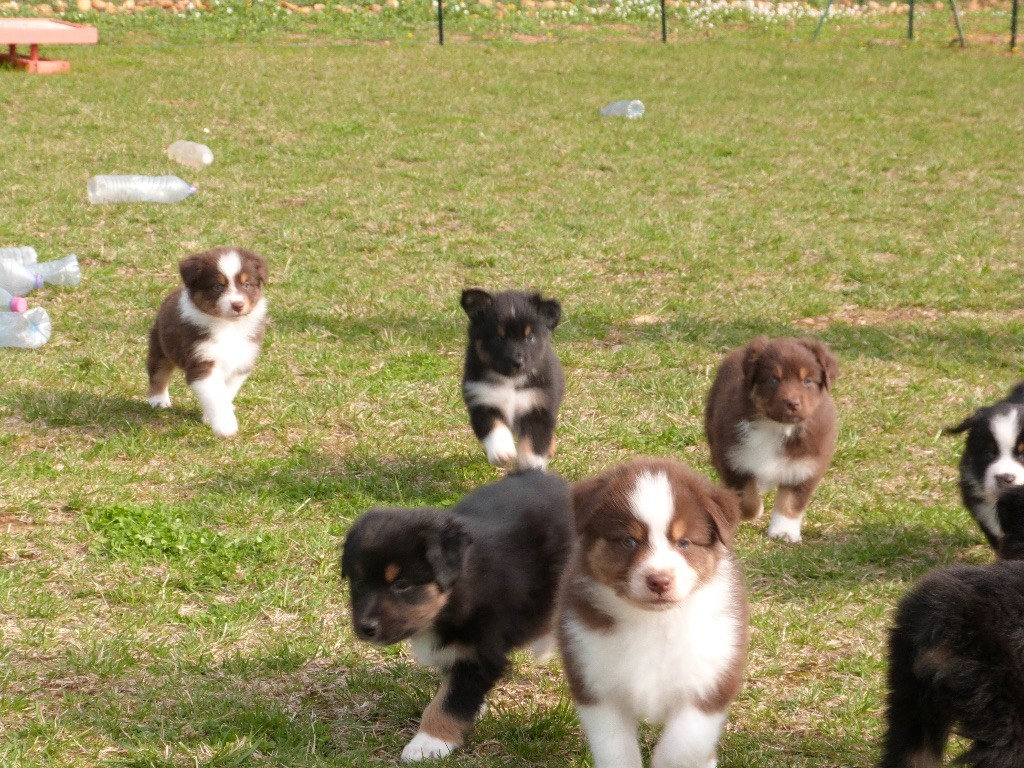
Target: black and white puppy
(466, 585)
(993, 459)
(512, 382)
(211, 327)
(956, 659)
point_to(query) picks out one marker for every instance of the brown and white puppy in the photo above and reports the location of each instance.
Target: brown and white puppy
(771, 423)
(212, 328)
(465, 586)
(653, 613)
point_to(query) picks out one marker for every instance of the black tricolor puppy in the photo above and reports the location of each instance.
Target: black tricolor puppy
(512, 382)
(956, 659)
(466, 585)
(993, 459)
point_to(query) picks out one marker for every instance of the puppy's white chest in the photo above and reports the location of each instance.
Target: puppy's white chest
(653, 662)
(502, 394)
(229, 350)
(760, 451)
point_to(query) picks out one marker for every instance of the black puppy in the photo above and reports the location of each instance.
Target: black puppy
(993, 459)
(956, 659)
(512, 382)
(466, 585)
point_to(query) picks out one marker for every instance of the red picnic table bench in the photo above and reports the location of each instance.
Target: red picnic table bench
(36, 32)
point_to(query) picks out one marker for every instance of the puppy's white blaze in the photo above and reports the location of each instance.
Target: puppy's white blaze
(229, 344)
(500, 446)
(229, 264)
(651, 661)
(785, 528)
(652, 503)
(689, 740)
(1005, 429)
(426, 747)
(504, 394)
(217, 409)
(611, 734)
(759, 451)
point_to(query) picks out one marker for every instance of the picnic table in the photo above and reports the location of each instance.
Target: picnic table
(36, 32)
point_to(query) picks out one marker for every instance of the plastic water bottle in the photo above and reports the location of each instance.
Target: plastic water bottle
(629, 108)
(27, 330)
(11, 303)
(24, 254)
(190, 153)
(138, 189)
(19, 279)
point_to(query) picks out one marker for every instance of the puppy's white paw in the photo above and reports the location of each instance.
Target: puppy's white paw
(500, 446)
(785, 528)
(224, 424)
(162, 400)
(543, 648)
(531, 461)
(426, 747)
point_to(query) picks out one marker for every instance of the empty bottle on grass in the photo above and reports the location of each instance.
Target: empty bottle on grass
(19, 279)
(629, 108)
(27, 330)
(22, 254)
(11, 303)
(138, 189)
(191, 154)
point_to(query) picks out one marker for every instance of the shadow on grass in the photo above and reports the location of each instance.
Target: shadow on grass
(89, 411)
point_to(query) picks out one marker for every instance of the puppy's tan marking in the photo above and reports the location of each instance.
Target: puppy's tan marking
(786, 503)
(440, 723)
(750, 500)
(391, 572)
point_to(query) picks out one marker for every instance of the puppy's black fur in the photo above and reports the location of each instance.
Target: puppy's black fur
(956, 659)
(512, 382)
(467, 584)
(992, 460)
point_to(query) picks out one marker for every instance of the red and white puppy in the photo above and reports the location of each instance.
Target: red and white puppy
(653, 619)
(771, 422)
(212, 328)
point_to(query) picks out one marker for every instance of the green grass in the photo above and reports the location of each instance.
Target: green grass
(170, 599)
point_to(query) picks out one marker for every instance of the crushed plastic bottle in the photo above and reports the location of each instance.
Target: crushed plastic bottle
(19, 279)
(628, 108)
(11, 303)
(27, 330)
(22, 254)
(138, 189)
(191, 154)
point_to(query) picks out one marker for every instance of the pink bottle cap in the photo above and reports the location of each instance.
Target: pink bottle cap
(18, 304)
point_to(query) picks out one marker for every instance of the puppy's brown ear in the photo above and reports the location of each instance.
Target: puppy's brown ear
(724, 508)
(751, 358)
(447, 542)
(259, 264)
(549, 310)
(349, 548)
(190, 269)
(476, 301)
(586, 497)
(826, 359)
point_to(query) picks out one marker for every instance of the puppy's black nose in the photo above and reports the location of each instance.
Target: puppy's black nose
(1005, 480)
(517, 362)
(369, 628)
(793, 406)
(237, 306)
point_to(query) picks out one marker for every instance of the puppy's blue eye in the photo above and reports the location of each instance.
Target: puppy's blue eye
(218, 288)
(630, 543)
(400, 586)
(773, 380)
(683, 543)
(808, 382)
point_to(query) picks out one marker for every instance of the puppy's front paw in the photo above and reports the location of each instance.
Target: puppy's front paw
(785, 528)
(531, 461)
(224, 424)
(162, 400)
(426, 747)
(500, 446)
